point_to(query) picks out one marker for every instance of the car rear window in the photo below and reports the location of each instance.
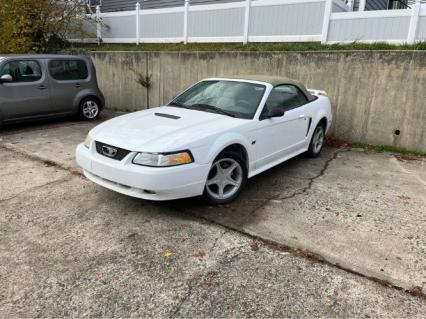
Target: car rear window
(68, 70)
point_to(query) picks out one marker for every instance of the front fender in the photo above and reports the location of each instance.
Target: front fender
(210, 152)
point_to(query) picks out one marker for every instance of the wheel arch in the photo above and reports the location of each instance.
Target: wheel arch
(232, 143)
(238, 149)
(324, 122)
(93, 96)
(227, 151)
(84, 95)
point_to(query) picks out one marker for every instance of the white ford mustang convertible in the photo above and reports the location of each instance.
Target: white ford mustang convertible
(207, 141)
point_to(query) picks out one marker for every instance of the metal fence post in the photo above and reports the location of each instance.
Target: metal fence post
(247, 22)
(185, 22)
(138, 36)
(98, 25)
(414, 21)
(362, 5)
(326, 21)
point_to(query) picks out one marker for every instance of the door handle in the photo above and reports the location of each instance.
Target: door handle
(42, 87)
(301, 116)
(77, 85)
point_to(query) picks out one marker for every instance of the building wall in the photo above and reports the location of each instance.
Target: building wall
(123, 5)
(373, 4)
(373, 93)
(376, 4)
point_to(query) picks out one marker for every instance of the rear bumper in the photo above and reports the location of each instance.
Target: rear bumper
(149, 183)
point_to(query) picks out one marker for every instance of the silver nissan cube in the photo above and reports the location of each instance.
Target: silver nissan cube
(42, 86)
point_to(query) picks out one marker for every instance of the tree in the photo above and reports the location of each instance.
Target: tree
(37, 25)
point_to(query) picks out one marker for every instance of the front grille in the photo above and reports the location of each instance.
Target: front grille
(120, 153)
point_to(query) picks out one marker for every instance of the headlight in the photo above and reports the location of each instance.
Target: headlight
(163, 159)
(88, 141)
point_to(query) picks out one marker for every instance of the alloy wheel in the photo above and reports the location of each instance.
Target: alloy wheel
(225, 179)
(318, 140)
(90, 109)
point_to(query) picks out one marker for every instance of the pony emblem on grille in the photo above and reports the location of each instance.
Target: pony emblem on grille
(109, 151)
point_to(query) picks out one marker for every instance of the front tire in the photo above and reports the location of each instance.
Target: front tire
(90, 109)
(317, 141)
(226, 179)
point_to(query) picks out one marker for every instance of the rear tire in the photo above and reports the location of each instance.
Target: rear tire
(90, 109)
(317, 141)
(226, 179)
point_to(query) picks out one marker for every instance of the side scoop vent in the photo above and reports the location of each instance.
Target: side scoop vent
(169, 116)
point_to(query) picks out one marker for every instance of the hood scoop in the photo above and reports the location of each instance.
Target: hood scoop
(169, 116)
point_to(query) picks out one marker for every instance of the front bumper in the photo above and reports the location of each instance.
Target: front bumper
(152, 183)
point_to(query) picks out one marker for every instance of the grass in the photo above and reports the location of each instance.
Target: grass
(388, 148)
(251, 47)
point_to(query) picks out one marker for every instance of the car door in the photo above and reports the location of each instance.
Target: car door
(280, 137)
(67, 78)
(27, 95)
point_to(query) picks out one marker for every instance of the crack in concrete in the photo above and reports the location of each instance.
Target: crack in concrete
(41, 160)
(218, 238)
(206, 272)
(304, 252)
(271, 244)
(313, 179)
(309, 255)
(299, 191)
(183, 300)
(58, 181)
(13, 131)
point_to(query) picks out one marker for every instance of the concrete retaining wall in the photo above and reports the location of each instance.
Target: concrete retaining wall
(374, 93)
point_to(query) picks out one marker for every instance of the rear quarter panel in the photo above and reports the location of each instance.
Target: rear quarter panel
(321, 108)
(91, 88)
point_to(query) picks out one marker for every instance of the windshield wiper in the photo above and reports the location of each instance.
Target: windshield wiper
(212, 108)
(178, 104)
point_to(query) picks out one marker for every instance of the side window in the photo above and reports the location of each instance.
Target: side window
(22, 71)
(285, 97)
(68, 70)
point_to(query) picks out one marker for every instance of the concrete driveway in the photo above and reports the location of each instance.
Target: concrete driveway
(342, 235)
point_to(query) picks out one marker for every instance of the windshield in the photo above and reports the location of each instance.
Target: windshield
(231, 98)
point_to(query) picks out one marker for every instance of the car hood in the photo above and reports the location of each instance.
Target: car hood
(163, 129)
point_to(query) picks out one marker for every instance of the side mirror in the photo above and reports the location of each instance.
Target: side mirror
(6, 78)
(272, 113)
(275, 113)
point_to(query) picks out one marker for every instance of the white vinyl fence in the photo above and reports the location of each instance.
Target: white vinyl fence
(328, 21)
(392, 26)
